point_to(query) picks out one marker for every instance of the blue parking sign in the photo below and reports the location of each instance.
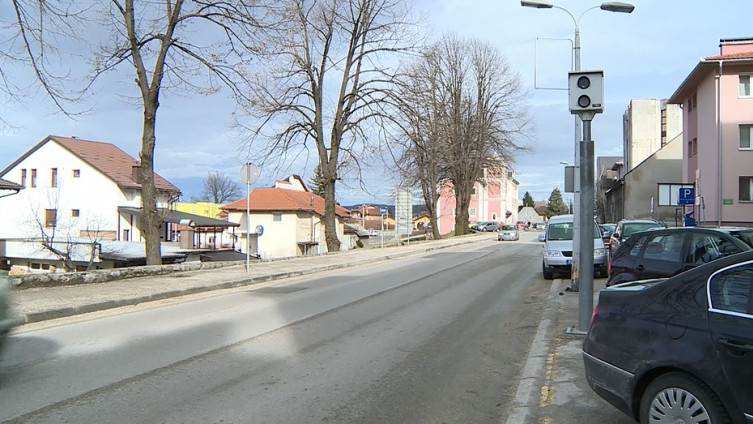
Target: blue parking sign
(687, 196)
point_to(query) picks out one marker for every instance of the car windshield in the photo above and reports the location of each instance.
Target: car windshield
(508, 227)
(633, 227)
(561, 231)
(746, 236)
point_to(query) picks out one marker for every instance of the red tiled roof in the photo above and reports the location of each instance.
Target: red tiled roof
(280, 199)
(731, 56)
(111, 161)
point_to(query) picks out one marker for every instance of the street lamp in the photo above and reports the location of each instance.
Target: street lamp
(617, 7)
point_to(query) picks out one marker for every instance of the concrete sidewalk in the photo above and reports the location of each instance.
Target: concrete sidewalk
(40, 304)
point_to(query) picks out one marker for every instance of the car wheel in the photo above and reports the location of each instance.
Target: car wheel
(548, 274)
(677, 397)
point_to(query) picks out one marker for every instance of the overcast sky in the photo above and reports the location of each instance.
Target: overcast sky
(646, 54)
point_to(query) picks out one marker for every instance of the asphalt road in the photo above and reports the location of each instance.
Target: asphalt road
(437, 338)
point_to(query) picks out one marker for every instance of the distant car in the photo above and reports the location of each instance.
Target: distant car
(626, 227)
(508, 232)
(538, 225)
(7, 320)
(606, 232)
(558, 248)
(677, 350)
(669, 251)
(485, 226)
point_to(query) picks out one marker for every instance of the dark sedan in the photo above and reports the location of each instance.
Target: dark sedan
(677, 350)
(669, 251)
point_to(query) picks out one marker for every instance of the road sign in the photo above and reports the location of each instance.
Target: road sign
(687, 196)
(249, 173)
(383, 211)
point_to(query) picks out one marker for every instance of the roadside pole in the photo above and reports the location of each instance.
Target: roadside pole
(586, 218)
(586, 92)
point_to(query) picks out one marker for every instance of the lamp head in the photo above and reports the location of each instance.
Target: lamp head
(616, 6)
(536, 4)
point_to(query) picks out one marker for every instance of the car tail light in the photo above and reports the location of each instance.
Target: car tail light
(609, 265)
(593, 313)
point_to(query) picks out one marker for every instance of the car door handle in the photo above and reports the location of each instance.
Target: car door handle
(640, 267)
(736, 344)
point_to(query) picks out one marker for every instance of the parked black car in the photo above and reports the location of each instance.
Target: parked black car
(626, 227)
(677, 350)
(669, 251)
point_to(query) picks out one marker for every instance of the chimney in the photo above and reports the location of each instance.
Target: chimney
(135, 172)
(735, 45)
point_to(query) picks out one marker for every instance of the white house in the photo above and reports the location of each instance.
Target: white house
(77, 190)
(286, 220)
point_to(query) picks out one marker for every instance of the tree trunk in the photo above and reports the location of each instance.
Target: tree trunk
(330, 217)
(150, 218)
(462, 201)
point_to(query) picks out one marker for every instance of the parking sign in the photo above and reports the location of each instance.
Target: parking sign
(687, 196)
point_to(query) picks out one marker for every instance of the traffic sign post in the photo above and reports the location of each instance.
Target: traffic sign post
(249, 174)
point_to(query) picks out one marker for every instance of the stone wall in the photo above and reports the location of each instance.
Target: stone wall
(100, 276)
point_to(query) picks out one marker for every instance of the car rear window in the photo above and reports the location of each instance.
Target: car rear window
(730, 290)
(746, 236)
(630, 228)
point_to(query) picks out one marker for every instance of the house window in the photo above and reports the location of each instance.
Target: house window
(54, 177)
(23, 177)
(76, 173)
(50, 216)
(277, 217)
(745, 131)
(744, 86)
(473, 191)
(126, 235)
(471, 211)
(75, 213)
(690, 104)
(33, 178)
(695, 146)
(746, 189)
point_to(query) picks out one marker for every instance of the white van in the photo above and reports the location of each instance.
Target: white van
(558, 248)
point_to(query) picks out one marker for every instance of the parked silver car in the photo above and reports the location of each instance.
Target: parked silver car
(485, 226)
(508, 232)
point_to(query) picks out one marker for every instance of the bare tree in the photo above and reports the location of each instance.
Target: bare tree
(62, 235)
(326, 85)
(219, 188)
(462, 109)
(29, 37)
(191, 45)
(420, 136)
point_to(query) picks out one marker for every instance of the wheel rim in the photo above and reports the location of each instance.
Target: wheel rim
(677, 406)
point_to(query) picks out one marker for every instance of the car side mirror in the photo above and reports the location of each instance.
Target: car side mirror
(542, 237)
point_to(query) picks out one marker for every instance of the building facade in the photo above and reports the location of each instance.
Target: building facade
(494, 198)
(648, 125)
(717, 103)
(284, 221)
